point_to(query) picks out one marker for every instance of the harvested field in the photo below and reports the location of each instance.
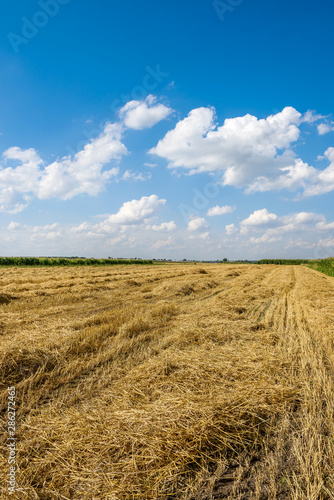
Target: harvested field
(169, 382)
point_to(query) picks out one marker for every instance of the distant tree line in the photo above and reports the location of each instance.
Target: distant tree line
(284, 262)
(66, 261)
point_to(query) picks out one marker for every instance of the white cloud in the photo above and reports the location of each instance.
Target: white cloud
(131, 234)
(301, 222)
(311, 117)
(305, 218)
(258, 218)
(197, 223)
(131, 231)
(251, 153)
(151, 165)
(246, 152)
(163, 243)
(135, 211)
(164, 226)
(323, 180)
(83, 227)
(324, 128)
(265, 239)
(325, 226)
(35, 233)
(63, 179)
(292, 177)
(139, 115)
(327, 242)
(16, 183)
(133, 216)
(245, 149)
(27, 156)
(297, 235)
(217, 210)
(231, 229)
(83, 173)
(13, 225)
(132, 176)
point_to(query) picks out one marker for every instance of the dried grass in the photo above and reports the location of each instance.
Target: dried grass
(158, 383)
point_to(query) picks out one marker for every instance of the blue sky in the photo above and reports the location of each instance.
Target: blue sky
(193, 129)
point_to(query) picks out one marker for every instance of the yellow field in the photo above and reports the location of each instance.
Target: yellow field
(169, 382)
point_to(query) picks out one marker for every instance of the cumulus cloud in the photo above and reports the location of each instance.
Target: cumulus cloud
(311, 117)
(136, 211)
(246, 152)
(325, 128)
(65, 178)
(14, 225)
(297, 235)
(259, 218)
(170, 241)
(251, 153)
(136, 176)
(83, 173)
(277, 226)
(327, 242)
(265, 238)
(25, 156)
(323, 180)
(151, 165)
(197, 223)
(231, 229)
(35, 233)
(217, 210)
(132, 216)
(245, 148)
(325, 226)
(139, 115)
(164, 226)
(133, 226)
(17, 184)
(134, 231)
(292, 177)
